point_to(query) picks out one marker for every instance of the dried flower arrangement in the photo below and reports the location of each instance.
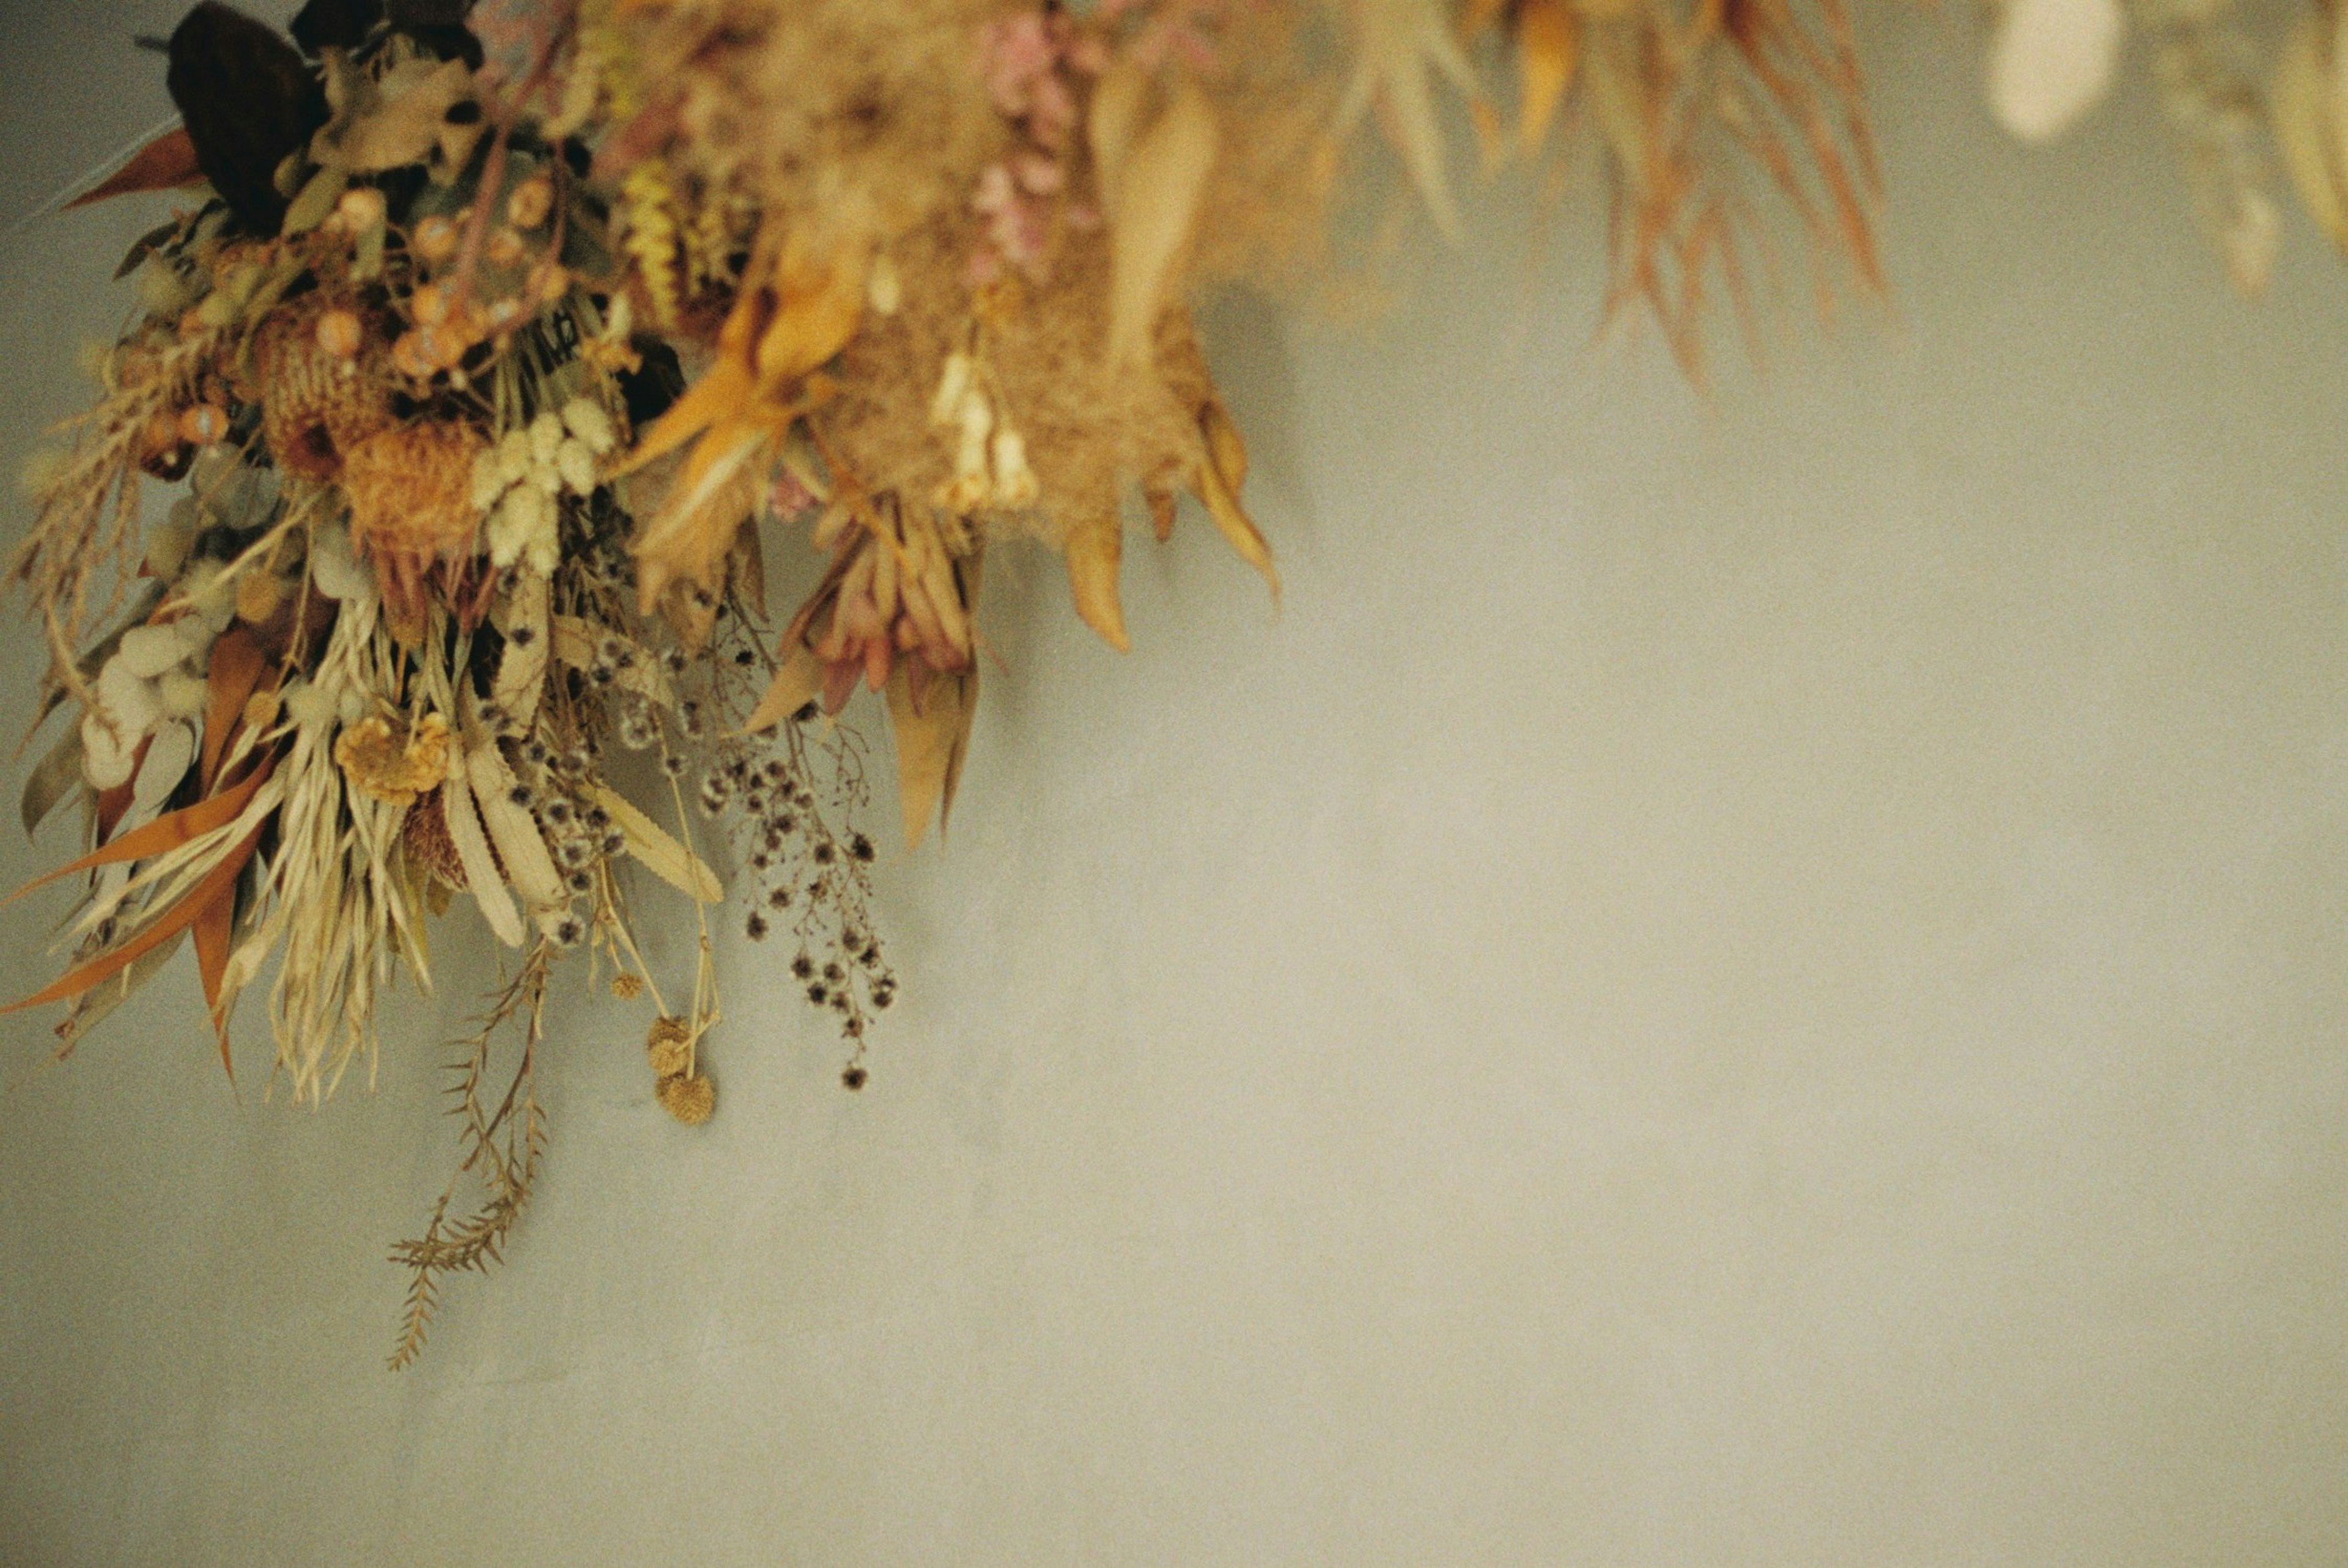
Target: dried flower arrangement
(460, 532)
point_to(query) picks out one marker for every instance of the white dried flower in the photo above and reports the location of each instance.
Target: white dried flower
(545, 435)
(149, 650)
(489, 479)
(953, 384)
(514, 456)
(587, 421)
(184, 693)
(576, 464)
(1015, 483)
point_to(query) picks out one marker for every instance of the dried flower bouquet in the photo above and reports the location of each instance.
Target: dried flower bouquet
(494, 344)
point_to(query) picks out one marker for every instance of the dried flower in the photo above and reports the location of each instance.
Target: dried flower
(411, 509)
(688, 1099)
(394, 765)
(669, 1046)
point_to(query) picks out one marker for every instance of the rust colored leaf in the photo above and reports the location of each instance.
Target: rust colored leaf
(166, 163)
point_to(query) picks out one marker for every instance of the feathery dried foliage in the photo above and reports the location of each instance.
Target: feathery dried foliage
(502, 1145)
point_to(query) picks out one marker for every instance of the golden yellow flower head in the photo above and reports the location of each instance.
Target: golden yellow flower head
(391, 766)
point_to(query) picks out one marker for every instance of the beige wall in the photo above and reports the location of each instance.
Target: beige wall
(1760, 986)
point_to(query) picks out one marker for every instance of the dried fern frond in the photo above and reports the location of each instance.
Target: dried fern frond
(502, 1145)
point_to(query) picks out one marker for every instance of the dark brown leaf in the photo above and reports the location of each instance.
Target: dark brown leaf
(249, 99)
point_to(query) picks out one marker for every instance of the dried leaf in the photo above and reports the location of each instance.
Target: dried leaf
(165, 833)
(1092, 553)
(2309, 111)
(1236, 525)
(219, 883)
(316, 201)
(513, 832)
(931, 734)
(1547, 36)
(1397, 43)
(1157, 197)
(520, 616)
(57, 776)
(166, 163)
(482, 879)
(249, 100)
(92, 1007)
(657, 851)
(213, 929)
(818, 302)
(1114, 122)
(235, 670)
(793, 687)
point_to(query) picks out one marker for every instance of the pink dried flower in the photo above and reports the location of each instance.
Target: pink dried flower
(1019, 53)
(1039, 175)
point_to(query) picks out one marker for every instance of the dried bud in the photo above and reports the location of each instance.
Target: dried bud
(360, 210)
(340, 333)
(435, 239)
(532, 201)
(203, 424)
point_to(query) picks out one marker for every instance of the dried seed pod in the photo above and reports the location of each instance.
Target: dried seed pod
(159, 437)
(669, 1047)
(435, 239)
(339, 334)
(424, 837)
(360, 209)
(530, 203)
(410, 357)
(203, 424)
(260, 595)
(688, 1099)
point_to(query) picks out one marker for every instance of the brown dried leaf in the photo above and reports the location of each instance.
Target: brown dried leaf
(1092, 550)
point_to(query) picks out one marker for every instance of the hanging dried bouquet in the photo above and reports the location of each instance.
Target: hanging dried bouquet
(492, 348)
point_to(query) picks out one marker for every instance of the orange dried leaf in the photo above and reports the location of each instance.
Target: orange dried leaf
(166, 163)
(236, 668)
(165, 833)
(1546, 47)
(218, 885)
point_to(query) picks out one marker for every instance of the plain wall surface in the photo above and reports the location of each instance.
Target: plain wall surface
(1751, 984)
